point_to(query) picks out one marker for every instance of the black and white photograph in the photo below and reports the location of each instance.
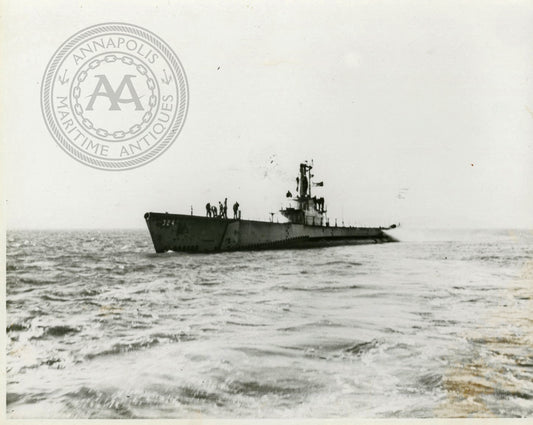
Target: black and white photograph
(267, 210)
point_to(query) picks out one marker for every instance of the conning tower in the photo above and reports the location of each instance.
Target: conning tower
(307, 209)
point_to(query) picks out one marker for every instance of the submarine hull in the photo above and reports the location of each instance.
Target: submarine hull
(189, 233)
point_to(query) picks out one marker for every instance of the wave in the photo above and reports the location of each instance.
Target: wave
(509, 394)
(100, 404)
(362, 347)
(152, 340)
(208, 282)
(17, 327)
(430, 381)
(90, 292)
(246, 324)
(40, 331)
(190, 395)
(37, 280)
(505, 259)
(60, 330)
(47, 297)
(327, 288)
(51, 362)
(122, 348)
(341, 263)
(13, 397)
(259, 389)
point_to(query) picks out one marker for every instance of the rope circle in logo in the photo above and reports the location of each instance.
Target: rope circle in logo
(134, 129)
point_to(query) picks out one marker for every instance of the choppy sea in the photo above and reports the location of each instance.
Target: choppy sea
(438, 325)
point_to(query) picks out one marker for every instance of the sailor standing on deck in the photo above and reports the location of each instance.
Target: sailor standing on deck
(208, 210)
(235, 209)
(225, 208)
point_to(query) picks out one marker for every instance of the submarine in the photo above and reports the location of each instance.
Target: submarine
(306, 226)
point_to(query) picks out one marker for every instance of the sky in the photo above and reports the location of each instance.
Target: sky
(415, 112)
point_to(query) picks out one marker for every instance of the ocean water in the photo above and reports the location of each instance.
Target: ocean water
(438, 325)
